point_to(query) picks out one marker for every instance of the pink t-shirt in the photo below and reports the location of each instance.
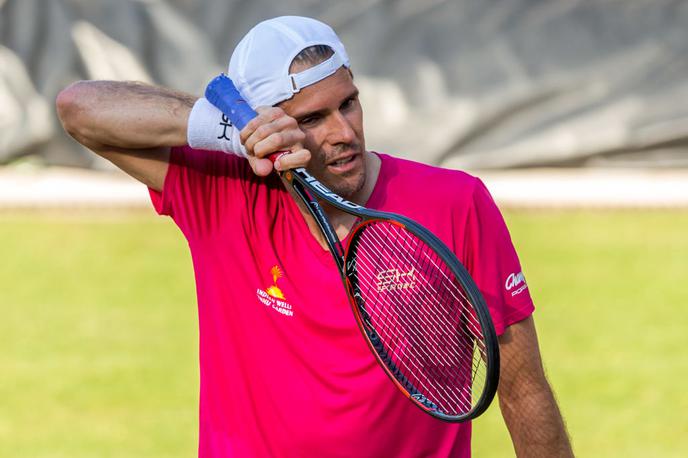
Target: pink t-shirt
(284, 369)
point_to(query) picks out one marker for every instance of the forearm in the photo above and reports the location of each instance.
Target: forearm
(535, 424)
(126, 115)
(525, 397)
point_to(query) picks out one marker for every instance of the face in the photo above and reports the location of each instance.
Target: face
(330, 115)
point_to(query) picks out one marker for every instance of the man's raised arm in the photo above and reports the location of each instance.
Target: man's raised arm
(133, 125)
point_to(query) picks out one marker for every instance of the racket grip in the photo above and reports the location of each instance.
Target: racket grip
(222, 93)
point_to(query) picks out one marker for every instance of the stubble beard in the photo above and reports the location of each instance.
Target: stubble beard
(345, 185)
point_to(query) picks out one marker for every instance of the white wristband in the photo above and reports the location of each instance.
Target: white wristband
(208, 128)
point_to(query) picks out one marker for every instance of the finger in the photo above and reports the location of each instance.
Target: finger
(265, 115)
(295, 159)
(286, 140)
(276, 135)
(261, 167)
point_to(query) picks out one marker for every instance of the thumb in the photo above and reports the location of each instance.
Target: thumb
(261, 167)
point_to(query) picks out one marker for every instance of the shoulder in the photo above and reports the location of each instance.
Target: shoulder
(428, 180)
(216, 173)
(208, 190)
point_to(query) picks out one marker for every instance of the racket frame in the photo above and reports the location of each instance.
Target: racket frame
(309, 190)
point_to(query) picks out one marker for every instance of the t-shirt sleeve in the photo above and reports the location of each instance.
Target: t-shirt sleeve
(493, 263)
(200, 189)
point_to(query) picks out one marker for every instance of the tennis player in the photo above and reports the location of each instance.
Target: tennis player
(284, 370)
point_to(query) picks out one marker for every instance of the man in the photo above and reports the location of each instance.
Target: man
(284, 370)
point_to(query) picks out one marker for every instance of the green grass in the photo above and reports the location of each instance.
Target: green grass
(98, 334)
(99, 339)
(611, 293)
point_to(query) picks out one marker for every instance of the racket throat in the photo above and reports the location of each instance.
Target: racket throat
(318, 224)
(329, 234)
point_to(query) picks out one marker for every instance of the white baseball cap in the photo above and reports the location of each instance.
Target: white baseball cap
(259, 66)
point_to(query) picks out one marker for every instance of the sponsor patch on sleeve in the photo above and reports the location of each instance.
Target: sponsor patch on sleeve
(515, 283)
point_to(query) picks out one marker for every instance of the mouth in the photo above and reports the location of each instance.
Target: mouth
(344, 164)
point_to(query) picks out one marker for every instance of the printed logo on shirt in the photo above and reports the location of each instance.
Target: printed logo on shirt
(516, 280)
(395, 279)
(273, 297)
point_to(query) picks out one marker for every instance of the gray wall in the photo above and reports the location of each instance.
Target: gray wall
(465, 83)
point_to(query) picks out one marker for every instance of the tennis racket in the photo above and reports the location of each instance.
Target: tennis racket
(418, 308)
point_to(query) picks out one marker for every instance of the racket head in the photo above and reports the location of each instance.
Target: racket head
(423, 317)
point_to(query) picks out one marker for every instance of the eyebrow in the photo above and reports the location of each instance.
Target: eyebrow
(323, 111)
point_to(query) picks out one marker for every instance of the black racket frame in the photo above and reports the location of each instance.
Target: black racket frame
(309, 190)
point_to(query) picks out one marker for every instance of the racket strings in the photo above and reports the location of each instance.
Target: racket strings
(432, 374)
(433, 258)
(428, 286)
(395, 345)
(426, 324)
(429, 289)
(427, 376)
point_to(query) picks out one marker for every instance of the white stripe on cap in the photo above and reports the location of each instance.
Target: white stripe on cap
(317, 73)
(260, 63)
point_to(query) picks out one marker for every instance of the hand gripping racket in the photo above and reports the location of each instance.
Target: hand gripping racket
(418, 308)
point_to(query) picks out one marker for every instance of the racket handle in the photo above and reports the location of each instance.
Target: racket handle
(222, 93)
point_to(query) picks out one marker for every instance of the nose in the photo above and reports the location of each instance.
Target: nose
(341, 130)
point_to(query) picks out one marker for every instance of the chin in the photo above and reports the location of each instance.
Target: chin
(347, 186)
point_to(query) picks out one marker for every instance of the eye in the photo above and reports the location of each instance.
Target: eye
(348, 103)
(309, 121)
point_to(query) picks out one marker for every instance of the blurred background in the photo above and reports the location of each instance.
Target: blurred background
(575, 114)
(460, 83)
